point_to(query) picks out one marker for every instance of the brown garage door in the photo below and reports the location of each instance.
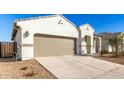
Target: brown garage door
(45, 45)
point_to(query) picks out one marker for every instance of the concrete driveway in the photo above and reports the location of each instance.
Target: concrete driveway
(81, 67)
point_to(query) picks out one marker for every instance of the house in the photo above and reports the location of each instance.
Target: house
(45, 36)
(52, 35)
(105, 41)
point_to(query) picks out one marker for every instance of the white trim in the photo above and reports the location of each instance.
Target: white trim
(87, 25)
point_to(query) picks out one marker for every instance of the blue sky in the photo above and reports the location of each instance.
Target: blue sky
(100, 22)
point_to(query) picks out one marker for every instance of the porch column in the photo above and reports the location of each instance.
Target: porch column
(100, 44)
(92, 50)
(123, 43)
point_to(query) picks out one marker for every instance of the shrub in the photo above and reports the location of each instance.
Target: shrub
(103, 52)
(122, 53)
(24, 68)
(18, 59)
(118, 54)
(32, 73)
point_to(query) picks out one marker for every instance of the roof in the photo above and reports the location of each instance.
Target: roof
(15, 28)
(107, 35)
(33, 18)
(97, 34)
(41, 17)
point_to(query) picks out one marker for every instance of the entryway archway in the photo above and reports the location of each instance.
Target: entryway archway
(88, 44)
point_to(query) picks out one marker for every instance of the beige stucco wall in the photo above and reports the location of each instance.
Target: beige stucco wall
(47, 26)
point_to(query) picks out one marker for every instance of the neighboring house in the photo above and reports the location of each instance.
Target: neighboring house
(52, 36)
(97, 43)
(105, 41)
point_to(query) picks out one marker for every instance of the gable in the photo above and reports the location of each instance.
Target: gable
(46, 18)
(54, 24)
(87, 27)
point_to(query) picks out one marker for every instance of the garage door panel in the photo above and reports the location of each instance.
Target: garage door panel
(53, 46)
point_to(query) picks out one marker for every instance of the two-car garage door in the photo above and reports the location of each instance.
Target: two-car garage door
(46, 45)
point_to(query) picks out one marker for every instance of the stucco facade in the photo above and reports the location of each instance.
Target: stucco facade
(57, 25)
(45, 25)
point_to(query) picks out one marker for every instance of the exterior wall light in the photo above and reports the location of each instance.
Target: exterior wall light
(60, 22)
(26, 34)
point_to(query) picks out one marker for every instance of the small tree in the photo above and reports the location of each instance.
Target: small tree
(116, 41)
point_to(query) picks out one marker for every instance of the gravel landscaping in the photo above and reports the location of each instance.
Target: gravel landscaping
(109, 57)
(29, 69)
